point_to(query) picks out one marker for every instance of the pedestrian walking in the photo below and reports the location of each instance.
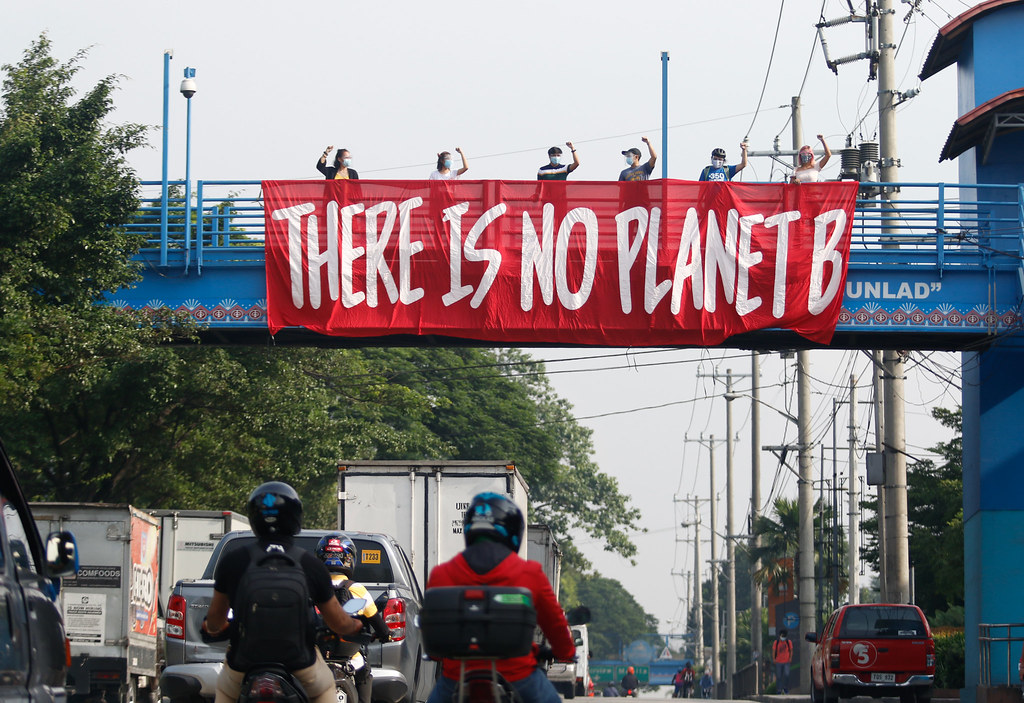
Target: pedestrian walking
(782, 656)
(706, 684)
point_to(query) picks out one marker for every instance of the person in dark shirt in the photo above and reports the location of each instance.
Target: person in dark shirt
(636, 171)
(275, 515)
(342, 168)
(555, 170)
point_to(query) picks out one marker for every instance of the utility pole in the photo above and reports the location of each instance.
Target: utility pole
(879, 414)
(805, 507)
(853, 531)
(755, 508)
(698, 584)
(805, 496)
(730, 533)
(897, 554)
(716, 635)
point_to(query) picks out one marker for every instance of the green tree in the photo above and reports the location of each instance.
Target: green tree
(935, 521)
(94, 406)
(617, 619)
(499, 405)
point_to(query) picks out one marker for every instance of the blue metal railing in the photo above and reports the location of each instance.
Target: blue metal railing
(932, 225)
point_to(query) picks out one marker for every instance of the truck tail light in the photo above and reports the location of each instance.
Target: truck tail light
(929, 654)
(833, 656)
(174, 626)
(394, 618)
(67, 652)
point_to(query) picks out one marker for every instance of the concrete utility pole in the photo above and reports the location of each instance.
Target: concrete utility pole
(853, 536)
(805, 507)
(698, 583)
(805, 495)
(896, 534)
(755, 506)
(879, 414)
(716, 633)
(730, 533)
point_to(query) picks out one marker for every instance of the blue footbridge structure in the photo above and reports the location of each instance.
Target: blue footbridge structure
(940, 266)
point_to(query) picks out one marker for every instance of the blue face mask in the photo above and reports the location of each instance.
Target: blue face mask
(447, 163)
(629, 159)
(555, 160)
(346, 162)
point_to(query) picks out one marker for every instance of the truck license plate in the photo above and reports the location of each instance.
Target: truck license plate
(883, 678)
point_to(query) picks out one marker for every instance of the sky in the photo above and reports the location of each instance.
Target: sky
(395, 82)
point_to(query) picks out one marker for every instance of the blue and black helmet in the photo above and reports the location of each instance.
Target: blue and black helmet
(275, 510)
(495, 517)
(338, 553)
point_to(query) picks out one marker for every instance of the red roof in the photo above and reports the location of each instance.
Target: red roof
(971, 128)
(949, 41)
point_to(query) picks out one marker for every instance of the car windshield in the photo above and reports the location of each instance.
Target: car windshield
(373, 565)
(882, 621)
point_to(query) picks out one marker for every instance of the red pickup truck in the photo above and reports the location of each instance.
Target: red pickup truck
(875, 649)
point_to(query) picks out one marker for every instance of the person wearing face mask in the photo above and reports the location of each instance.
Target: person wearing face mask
(636, 171)
(444, 170)
(718, 171)
(555, 170)
(809, 170)
(342, 167)
(782, 655)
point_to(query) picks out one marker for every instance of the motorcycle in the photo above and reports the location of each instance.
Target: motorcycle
(272, 683)
(488, 623)
(345, 657)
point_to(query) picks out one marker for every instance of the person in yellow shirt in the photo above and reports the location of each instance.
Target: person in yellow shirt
(338, 553)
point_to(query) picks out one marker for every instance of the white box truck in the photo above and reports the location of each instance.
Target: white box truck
(421, 503)
(187, 539)
(541, 546)
(110, 607)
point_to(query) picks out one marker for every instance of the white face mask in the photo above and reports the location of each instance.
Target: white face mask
(718, 163)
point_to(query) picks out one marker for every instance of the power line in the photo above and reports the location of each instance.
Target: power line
(768, 70)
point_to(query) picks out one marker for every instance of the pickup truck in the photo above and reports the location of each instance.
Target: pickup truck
(400, 673)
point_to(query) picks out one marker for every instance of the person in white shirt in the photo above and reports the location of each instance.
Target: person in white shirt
(444, 170)
(809, 169)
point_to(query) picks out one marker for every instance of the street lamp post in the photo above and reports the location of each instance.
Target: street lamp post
(168, 55)
(188, 89)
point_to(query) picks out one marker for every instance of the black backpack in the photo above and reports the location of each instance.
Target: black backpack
(272, 610)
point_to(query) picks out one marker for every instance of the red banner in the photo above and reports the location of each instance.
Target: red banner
(618, 264)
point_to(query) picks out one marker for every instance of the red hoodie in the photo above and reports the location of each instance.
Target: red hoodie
(512, 571)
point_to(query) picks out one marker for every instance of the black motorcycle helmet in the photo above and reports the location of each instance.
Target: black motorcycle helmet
(338, 553)
(275, 510)
(495, 517)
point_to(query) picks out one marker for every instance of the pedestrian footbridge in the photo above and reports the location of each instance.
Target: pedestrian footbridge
(937, 267)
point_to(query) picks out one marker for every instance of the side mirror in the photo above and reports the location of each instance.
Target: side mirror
(580, 615)
(353, 606)
(811, 637)
(578, 641)
(61, 554)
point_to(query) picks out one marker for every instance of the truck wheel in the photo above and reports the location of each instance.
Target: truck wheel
(569, 690)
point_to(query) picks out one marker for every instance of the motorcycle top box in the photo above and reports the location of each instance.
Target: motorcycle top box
(477, 622)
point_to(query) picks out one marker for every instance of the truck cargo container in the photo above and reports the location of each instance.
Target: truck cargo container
(187, 540)
(421, 503)
(541, 546)
(110, 606)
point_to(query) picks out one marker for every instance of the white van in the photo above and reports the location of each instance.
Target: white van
(572, 679)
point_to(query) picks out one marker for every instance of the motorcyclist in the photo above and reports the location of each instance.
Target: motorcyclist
(338, 553)
(630, 683)
(493, 529)
(275, 516)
